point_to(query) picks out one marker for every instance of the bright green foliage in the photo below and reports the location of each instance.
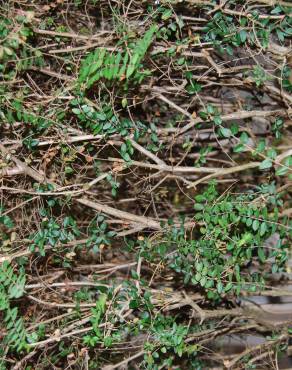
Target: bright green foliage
(202, 159)
(97, 314)
(232, 236)
(10, 282)
(114, 65)
(11, 41)
(14, 34)
(168, 342)
(166, 336)
(140, 50)
(12, 287)
(170, 337)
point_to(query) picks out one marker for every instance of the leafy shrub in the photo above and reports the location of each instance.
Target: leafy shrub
(51, 233)
(12, 287)
(116, 65)
(229, 242)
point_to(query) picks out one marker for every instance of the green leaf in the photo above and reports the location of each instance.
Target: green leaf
(180, 61)
(247, 237)
(244, 138)
(200, 198)
(261, 255)
(124, 102)
(116, 65)
(124, 66)
(198, 207)
(140, 50)
(271, 153)
(210, 109)
(263, 229)
(282, 171)
(166, 14)
(267, 163)
(280, 34)
(198, 276)
(93, 79)
(8, 51)
(99, 56)
(219, 287)
(261, 146)
(243, 36)
(126, 157)
(203, 115)
(234, 129)
(16, 290)
(228, 287)
(203, 281)
(277, 10)
(238, 148)
(106, 71)
(288, 161)
(111, 66)
(163, 349)
(255, 225)
(6, 221)
(123, 148)
(217, 120)
(132, 65)
(199, 266)
(225, 132)
(107, 125)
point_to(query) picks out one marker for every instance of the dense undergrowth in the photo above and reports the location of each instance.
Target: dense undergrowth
(146, 171)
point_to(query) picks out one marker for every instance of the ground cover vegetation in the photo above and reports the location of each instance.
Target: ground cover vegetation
(145, 176)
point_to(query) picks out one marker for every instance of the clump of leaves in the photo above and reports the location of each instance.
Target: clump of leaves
(167, 344)
(259, 75)
(230, 250)
(52, 233)
(97, 313)
(12, 287)
(4, 219)
(226, 33)
(98, 121)
(15, 55)
(104, 121)
(99, 235)
(12, 40)
(114, 65)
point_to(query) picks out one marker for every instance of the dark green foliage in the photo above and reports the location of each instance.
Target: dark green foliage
(228, 253)
(99, 235)
(52, 234)
(226, 32)
(104, 121)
